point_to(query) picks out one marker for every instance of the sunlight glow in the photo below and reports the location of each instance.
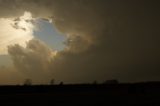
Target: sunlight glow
(16, 31)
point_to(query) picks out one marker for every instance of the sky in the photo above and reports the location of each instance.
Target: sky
(79, 41)
(52, 37)
(44, 31)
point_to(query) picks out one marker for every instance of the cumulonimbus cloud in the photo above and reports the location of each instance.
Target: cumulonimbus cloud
(34, 60)
(106, 39)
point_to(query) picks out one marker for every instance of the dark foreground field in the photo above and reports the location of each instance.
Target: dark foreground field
(80, 95)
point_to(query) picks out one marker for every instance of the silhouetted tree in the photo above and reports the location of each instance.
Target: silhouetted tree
(61, 83)
(95, 82)
(28, 82)
(114, 81)
(52, 82)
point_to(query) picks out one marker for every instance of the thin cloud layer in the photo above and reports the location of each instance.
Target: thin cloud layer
(106, 39)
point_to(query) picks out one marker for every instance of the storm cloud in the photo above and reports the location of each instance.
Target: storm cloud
(105, 39)
(33, 61)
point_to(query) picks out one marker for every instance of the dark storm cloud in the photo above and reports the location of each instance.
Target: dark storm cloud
(32, 61)
(106, 39)
(122, 39)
